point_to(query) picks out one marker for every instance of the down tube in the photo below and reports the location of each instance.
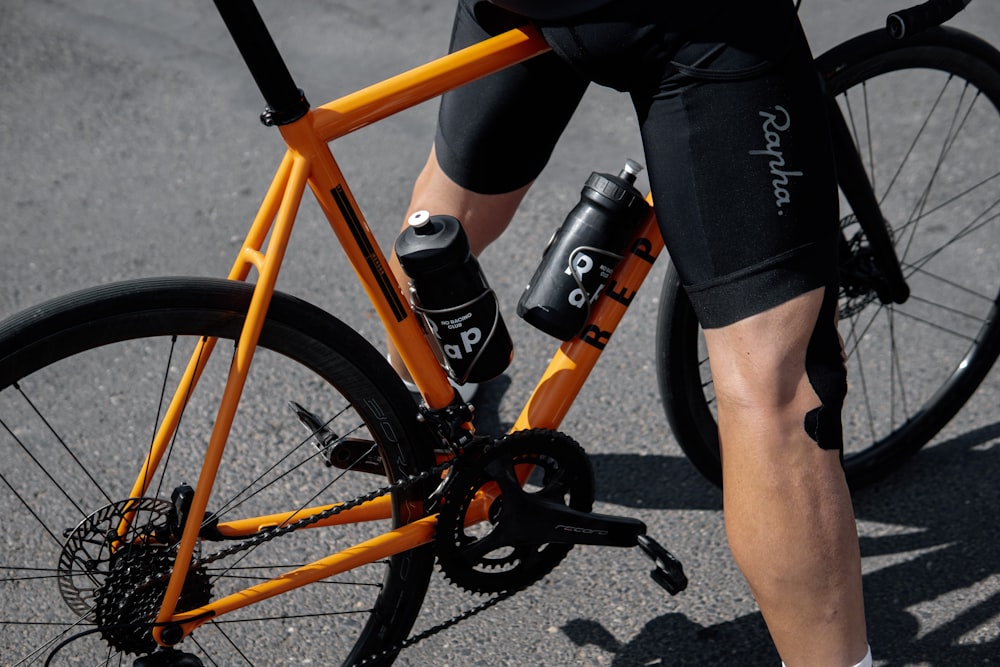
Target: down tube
(572, 363)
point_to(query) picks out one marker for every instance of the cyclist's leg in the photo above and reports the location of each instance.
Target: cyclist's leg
(743, 182)
(494, 136)
(484, 216)
(788, 510)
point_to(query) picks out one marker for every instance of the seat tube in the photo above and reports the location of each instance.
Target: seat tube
(569, 368)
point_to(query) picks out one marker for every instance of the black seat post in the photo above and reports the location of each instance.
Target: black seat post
(285, 101)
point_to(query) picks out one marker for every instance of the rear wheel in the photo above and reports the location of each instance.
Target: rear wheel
(925, 117)
(83, 382)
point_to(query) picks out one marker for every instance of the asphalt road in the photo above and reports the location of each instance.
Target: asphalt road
(129, 146)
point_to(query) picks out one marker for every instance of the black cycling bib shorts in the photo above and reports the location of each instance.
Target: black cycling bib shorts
(733, 124)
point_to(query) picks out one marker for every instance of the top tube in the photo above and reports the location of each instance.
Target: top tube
(427, 81)
(286, 103)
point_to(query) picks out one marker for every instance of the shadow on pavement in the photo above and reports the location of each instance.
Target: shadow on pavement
(931, 573)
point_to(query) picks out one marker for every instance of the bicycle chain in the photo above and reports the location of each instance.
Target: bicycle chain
(399, 485)
(272, 533)
(440, 627)
(268, 535)
(456, 415)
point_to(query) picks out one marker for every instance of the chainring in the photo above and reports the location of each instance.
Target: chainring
(473, 557)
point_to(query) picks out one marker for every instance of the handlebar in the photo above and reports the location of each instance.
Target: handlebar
(915, 19)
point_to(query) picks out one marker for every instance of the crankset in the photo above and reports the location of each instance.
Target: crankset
(526, 531)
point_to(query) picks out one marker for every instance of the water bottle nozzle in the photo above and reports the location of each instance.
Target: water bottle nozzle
(418, 221)
(630, 171)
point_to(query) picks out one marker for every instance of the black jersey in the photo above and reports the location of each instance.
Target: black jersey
(549, 9)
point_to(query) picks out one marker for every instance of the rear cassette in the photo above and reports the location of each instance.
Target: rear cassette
(114, 567)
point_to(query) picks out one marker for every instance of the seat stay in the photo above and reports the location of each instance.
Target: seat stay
(268, 264)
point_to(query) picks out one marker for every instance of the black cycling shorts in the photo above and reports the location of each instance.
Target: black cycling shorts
(733, 124)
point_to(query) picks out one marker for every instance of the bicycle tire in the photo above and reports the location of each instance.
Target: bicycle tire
(934, 156)
(86, 364)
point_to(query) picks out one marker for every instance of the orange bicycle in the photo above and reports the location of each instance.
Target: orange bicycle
(184, 457)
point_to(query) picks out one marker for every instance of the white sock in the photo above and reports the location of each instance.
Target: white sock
(865, 662)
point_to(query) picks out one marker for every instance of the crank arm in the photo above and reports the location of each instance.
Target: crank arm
(528, 519)
(534, 520)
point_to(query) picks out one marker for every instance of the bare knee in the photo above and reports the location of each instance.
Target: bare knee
(783, 369)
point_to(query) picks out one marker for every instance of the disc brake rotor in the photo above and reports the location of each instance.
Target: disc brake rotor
(113, 570)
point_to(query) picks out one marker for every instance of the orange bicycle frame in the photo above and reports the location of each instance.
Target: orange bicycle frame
(309, 162)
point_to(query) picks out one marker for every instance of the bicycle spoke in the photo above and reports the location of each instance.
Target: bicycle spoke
(101, 403)
(978, 223)
(856, 355)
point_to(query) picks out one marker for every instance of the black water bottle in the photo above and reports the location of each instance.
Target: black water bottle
(582, 254)
(449, 290)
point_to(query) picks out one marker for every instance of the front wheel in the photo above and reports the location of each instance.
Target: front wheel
(925, 118)
(83, 386)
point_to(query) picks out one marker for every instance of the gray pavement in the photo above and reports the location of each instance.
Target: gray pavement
(130, 146)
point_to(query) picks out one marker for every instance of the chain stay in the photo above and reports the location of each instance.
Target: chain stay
(399, 485)
(402, 484)
(278, 531)
(272, 533)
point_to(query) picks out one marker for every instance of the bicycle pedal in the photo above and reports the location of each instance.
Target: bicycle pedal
(668, 573)
(344, 452)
